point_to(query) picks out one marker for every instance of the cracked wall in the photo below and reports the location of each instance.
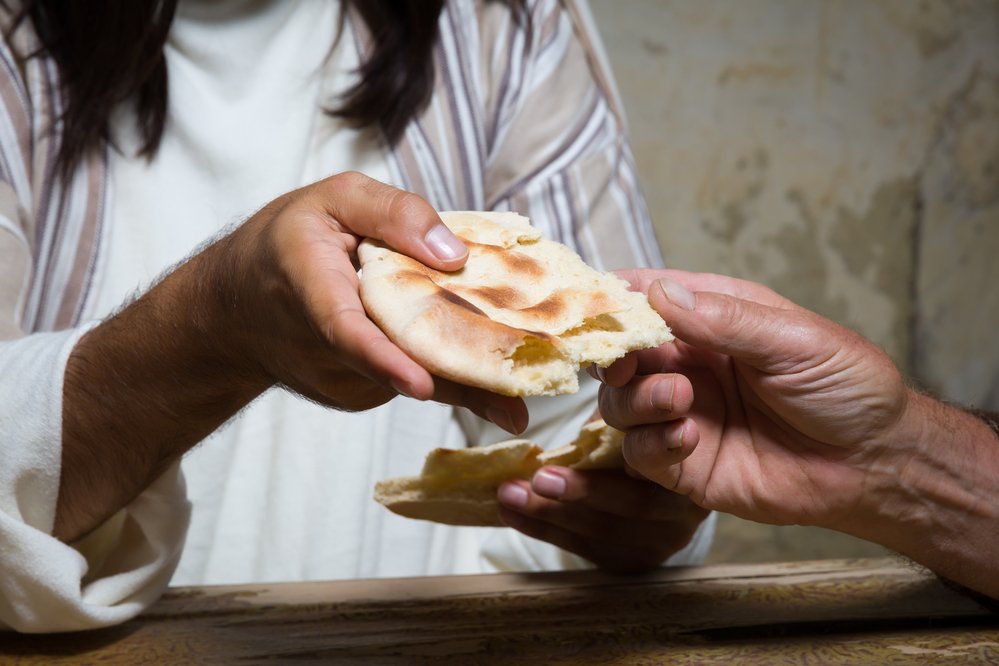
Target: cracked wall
(844, 152)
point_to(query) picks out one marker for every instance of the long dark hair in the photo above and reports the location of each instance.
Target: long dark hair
(110, 52)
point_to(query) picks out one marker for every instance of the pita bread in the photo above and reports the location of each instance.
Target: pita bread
(520, 318)
(458, 486)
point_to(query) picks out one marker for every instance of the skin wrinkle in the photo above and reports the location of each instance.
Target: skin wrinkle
(668, 408)
(966, 503)
(911, 473)
(731, 424)
(766, 414)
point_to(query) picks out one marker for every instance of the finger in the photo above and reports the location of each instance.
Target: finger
(403, 220)
(670, 357)
(543, 530)
(642, 279)
(361, 345)
(646, 399)
(610, 492)
(506, 412)
(314, 271)
(611, 542)
(771, 339)
(553, 516)
(617, 373)
(657, 451)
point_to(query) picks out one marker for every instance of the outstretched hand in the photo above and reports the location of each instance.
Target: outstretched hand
(796, 419)
(791, 411)
(274, 302)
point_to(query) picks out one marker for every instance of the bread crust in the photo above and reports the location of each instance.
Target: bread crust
(458, 486)
(520, 318)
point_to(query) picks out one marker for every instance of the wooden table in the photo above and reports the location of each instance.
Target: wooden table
(828, 612)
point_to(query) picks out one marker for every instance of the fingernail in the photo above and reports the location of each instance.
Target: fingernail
(548, 484)
(601, 374)
(678, 294)
(501, 418)
(400, 388)
(512, 495)
(444, 244)
(662, 395)
(675, 438)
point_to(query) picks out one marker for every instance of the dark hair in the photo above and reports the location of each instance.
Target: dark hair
(100, 69)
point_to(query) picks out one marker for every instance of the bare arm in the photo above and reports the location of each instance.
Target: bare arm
(275, 302)
(935, 497)
(145, 386)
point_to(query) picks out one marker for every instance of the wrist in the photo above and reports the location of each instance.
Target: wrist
(933, 495)
(143, 387)
(230, 313)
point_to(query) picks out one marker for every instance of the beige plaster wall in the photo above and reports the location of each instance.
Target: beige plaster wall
(844, 152)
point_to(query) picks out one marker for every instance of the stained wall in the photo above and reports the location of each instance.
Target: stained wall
(843, 152)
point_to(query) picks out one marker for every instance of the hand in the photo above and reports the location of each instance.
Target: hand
(303, 320)
(621, 523)
(792, 412)
(274, 302)
(799, 420)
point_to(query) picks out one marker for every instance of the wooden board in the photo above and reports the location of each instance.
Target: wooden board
(828, 612)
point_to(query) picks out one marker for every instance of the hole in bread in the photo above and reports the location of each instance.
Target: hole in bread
(603, 322)
(599, 339)
(543, 367)
(536, 352)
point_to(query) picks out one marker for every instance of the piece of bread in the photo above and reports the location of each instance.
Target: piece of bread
(520, 318)
(458, 486)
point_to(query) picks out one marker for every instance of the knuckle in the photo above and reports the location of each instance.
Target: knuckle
(730, 313)
(608, 399)
(642, 443)
(349, 180)
(404, 207)
(656, 395)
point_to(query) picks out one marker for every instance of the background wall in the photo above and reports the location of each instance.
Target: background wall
(844, 152)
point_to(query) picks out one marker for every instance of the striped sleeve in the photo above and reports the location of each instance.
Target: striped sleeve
(525, 117)
(49, 234)
(16, 260)
(49, 229)
(560, 151)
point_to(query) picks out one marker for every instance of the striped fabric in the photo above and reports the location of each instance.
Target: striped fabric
(523, 117)
(50, 231)
(527, 120)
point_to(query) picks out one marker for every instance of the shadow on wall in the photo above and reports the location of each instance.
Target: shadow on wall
(845, 154)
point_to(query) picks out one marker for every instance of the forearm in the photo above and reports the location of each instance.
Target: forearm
(938, 501)
(149, 383)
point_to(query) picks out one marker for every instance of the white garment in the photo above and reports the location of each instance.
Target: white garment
(283, 491)
(49, 585)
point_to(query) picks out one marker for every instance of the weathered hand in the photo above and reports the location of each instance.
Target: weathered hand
(617, 521)
(796, 419)
(791, 415)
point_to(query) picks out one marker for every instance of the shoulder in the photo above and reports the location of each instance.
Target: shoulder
(18, 40)
(29, 87)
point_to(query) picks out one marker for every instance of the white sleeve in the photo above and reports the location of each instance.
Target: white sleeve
(115, 571)
(554, 422)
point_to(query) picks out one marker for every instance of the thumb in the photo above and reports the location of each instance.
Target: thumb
(763, 336)
(403, 220)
